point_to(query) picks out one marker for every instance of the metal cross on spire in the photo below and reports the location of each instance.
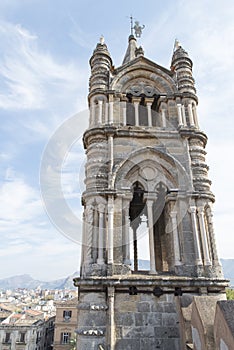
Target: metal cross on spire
(136, 28)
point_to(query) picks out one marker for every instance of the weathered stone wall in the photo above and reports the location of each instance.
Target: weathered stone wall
(224, 325)
(92, 320)
(146, 322)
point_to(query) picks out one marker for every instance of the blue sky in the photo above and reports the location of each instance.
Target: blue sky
(45, 48)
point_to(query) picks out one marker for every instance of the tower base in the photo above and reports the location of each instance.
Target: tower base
(137, 311)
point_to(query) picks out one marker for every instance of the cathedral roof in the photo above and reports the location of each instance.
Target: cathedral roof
(134, 55)
(144, 61)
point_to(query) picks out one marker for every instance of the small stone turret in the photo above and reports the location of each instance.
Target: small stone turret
(182, 65)
(100, 64)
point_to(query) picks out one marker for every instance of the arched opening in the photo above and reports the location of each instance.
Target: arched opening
(146, 220)
(143, 113)
(136, 211)
(130, 113)
(161, 237)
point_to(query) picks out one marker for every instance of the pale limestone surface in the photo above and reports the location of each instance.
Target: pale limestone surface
(145, 158)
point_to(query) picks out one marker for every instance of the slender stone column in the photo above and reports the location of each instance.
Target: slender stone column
(180, 121)
(89, 234)
(111, 152)
(126, 241)
(149, 102)
(83, 252)
(111, 297)
(95, 235)
(195, 116)
(176, 241)
(163, 115)
(190, 113)
(111, 112)
(136, 106)
(212, 236)
(124, 111)
(100, 103)
(110, 229)
(135, 257)
(183, 115)
(193, 211)
(101, 209)
(204, 236)
(92, 114)
(106, 113)
(151, 236)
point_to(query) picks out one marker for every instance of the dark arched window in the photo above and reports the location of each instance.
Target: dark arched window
(136, 210)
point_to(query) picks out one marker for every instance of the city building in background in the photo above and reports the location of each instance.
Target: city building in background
(65, 324)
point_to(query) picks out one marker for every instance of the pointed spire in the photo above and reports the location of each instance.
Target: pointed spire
(178, 51)
(100, 64)
(132, 51)
(182, 65)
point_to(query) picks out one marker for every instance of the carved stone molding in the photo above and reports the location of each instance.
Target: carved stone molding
(91, 332)
(93, 307)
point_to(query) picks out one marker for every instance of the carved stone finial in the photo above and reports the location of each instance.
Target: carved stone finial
(177, 45)
(102, 40)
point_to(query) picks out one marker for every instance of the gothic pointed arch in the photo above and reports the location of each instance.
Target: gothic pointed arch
(141, 76)
(151, 166)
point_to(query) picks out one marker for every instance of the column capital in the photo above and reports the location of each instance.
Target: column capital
(173, 214)
(149, 100)
(101, 208)
(200, 210)
(136, 100)
(126, 211)
(89, 207)
(149, 202)
(193, 209)
(111, 292)
(151, 197)
(111, 97)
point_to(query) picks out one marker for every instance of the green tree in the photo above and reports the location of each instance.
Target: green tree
(230, 294)
(73, 343)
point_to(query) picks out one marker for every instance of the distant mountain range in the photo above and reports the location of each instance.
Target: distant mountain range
(27, 282)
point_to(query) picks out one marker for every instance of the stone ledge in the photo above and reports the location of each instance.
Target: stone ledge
(165, 282)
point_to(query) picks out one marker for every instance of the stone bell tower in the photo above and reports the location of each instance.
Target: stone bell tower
(145, 165)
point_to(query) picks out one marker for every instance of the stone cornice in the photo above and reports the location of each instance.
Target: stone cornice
(193, 133)
(164, 281)
(104, 131)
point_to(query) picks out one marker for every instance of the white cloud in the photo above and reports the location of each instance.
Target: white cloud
(79, 36)
(18, 200)
(28, 237)
(32, 78)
